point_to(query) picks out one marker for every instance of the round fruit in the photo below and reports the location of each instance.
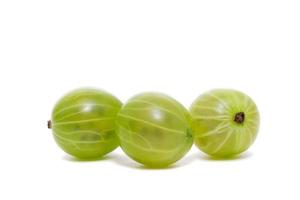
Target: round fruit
(154, 129)
(83, 123)
(224, 122)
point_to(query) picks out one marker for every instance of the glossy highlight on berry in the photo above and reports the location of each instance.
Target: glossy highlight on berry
(154, 129)
(225, 122)
(83, 123)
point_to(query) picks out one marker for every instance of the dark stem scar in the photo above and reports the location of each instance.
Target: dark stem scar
(239, 117)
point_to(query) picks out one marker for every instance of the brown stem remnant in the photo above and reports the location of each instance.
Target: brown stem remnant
(239, 117)
(49, 124)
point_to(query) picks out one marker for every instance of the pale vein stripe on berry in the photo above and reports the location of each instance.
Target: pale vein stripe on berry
(250, 105)
(136, 134)
(238, 140)
(149, 108)
(77, 141)
(156, 105)
(252, 112)
(171, 101)
(236, 101)
(247, 103)
(69, 115)
(99, 133)
(223, 142)
(205, 108)
(251, 121)
(152, 150)
(84, 121)
(79, 105)
(249, 134)
(221, 127)
(242, 137)
(217, 117)
(151, 124)
(219, 99)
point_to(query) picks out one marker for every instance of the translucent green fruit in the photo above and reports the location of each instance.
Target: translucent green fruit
(83, 123)
(154, 129)
(224, 122)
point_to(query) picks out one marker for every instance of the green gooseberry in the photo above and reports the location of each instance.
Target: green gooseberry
(83, 123)
(225, 122)
(154, 129)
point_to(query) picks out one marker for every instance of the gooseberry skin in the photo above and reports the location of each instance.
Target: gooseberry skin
(83, 123)
(154, 129)
(225, 122)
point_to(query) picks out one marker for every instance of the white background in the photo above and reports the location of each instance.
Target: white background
(181, 48)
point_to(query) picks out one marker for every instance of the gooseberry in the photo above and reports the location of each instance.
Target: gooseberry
(83, 123)
(225, 122)
(154, 129)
